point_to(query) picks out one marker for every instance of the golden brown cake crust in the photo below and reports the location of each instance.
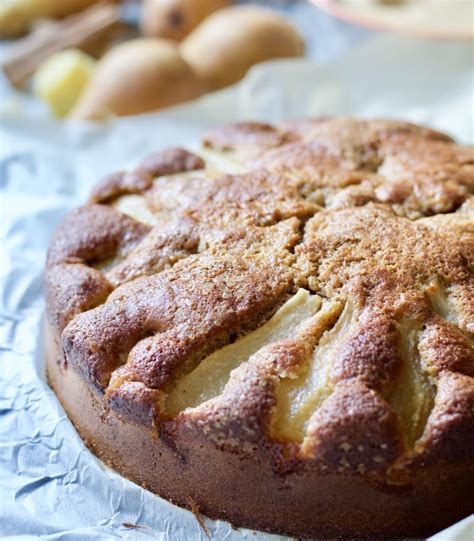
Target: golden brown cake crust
(364, 400)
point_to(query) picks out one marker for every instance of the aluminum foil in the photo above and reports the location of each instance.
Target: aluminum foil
(51, 486)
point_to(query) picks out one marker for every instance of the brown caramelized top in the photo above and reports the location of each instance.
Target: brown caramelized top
(302, 291)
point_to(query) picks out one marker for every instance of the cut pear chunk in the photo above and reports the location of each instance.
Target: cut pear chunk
(209, 378)
(299, 397)
(439, 301)
(413, 394)
(135, 206)
(222, 161)
(61, 79)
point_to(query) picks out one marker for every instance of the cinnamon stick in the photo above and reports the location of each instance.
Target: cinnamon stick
(73, 31)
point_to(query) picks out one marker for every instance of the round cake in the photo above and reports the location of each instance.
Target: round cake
(277, 329)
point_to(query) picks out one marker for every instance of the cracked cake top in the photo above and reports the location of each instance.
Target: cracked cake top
(303, 290)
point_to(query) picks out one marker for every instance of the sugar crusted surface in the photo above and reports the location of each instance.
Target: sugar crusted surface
(374, 218)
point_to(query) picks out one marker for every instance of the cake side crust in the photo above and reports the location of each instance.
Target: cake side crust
(193, 473)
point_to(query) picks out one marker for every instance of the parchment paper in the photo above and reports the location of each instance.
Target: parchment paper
(50, 484)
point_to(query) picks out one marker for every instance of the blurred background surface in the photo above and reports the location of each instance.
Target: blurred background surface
(73, 56)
